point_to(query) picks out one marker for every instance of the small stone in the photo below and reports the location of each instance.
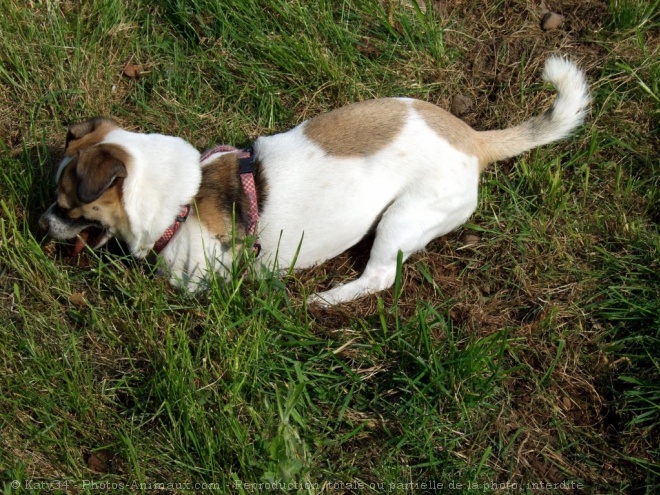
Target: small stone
(460, 105)
(132, 71)
(99, 462)
(551, 21)
(470, 239)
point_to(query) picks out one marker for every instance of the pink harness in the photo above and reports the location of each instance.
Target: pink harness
(171, 230)
(246, 169)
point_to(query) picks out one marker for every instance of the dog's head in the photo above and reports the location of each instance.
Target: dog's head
(112, 182)
(89, 187)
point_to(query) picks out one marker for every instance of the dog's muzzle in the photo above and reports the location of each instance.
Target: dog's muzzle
(84, 231)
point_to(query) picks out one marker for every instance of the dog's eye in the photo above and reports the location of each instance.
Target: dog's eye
(71, 213)
(62, 209)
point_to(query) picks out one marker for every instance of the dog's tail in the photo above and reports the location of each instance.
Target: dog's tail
(567, 112)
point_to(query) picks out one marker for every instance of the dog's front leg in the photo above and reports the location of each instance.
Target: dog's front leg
(408, 225)
(374, 279)
(398, 230)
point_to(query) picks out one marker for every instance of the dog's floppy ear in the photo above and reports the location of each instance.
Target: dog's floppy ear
(97, 169)
(81, 129)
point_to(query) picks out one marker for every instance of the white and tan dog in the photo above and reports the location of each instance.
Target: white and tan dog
(403, 169)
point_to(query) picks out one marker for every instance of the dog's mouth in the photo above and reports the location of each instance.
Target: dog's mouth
(94, 237)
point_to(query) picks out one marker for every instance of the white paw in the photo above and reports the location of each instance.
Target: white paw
(340, 294)
(321, 300)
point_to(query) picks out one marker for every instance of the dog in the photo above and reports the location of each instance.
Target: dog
(402, 169)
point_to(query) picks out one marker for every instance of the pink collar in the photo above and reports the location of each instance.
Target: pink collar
(246, 169)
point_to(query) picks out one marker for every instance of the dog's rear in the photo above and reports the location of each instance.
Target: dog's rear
(441, 203)
(567, 113)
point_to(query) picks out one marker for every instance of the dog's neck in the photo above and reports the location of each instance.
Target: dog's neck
(246, 170)
(164, 174)
(172, 229)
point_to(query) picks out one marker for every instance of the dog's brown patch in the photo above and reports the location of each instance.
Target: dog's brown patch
(360, 129)
(109, 209)
(221, 194)
(88, 133)
(99, 172)
(89, 174)
(460, 135)
(97, 168)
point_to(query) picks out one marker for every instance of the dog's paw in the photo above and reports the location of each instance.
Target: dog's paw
(320, 300)
(337, 295)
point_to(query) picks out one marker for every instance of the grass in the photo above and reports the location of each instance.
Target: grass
(525, 360)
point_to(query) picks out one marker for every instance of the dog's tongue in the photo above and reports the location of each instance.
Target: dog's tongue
(81, 240)
(93, 236)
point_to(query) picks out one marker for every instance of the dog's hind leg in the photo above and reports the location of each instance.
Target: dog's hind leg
(407, 226)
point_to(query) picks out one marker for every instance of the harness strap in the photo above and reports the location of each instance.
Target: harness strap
(247, 167)
(172, 229)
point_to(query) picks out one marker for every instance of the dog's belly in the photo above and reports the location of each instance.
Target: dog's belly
(317, 222)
